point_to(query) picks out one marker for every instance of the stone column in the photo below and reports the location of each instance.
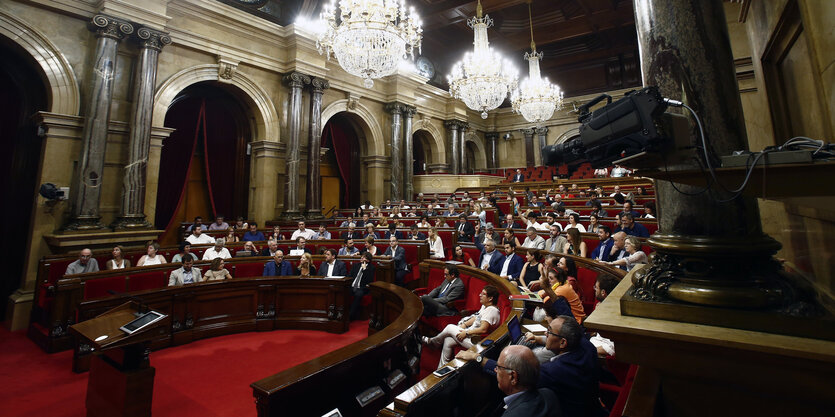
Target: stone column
(708, 252)
(541, 135)
(87, 188)
(462, 146)
(408, 153)
(453, 128)
(296, 81)
(529, 156)
(314, 180)
(492, 144)
(132, 213)
(396, 110)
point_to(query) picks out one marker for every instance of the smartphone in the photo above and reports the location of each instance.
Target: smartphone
(486, 342)
(443, 371)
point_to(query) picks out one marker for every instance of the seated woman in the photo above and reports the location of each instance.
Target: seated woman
(152, 258)
(369, 246)
(217, 271)
(507, 237)
(185, 250)
(556, 285)
(439, 222)
(530, 271)
(575, 245)
(369, 230)
(232, 237)
(306, 266)
(436, 245)
(636, 255)
(574, 223)
(459, 255)
(276, 233)
(570, 267)
(480, 323)
(594, 224)
(118, 261)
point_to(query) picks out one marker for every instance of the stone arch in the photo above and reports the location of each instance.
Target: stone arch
(481, 152)
(437, 147)
(265, 126)
(61, 84)
(372, 132)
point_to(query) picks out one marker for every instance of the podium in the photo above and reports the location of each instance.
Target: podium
(121, 381)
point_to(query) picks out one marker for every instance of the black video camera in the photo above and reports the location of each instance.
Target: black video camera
(615, 132)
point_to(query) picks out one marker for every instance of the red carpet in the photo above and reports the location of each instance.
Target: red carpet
(209, 377)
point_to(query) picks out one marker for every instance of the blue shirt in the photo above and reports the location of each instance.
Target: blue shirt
(253, 237)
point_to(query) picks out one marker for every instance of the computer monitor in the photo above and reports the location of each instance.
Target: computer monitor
(514, 328)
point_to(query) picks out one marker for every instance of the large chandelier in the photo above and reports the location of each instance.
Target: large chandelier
(482, 79)
(369, 37)
(536, 99)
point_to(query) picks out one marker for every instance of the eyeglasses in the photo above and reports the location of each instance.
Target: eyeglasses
(505, 368)
(548, 331)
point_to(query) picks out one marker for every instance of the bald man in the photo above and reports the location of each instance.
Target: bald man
(85, 263)
(517, 372)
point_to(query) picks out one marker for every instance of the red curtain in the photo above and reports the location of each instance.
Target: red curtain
(341, 143)
(220, 143)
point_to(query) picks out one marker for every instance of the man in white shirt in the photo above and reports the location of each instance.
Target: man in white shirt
(322, 234)
(219, 224)
(218, 251)
(302, 232)
(533, 223)
(617, 191)
(534, 240)
(198, 238)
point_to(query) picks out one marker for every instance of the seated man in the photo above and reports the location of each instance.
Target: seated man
(278, 267)
(198, 221)
(348, 222)
(629, 226)
(271, 249)
(490, 259)
(555, 242)
(512, 265)
(414, 234)
(349, 249)
(533, 240)
(439, 301)
(350, 233)
(480, 323)
(188, 274)
(465, 229)
(84, 263)
(217, 251)
(198, 238)
(300, 247)
(253, 235)
(302, 231)
(603, 251)
(398, 255)
(322, 233)
(219, 224)
(363, 274)
(392, 231)
(509, 223)
(517, 376)
(602, 287)
(332, 267)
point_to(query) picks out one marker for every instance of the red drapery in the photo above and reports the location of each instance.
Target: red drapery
(340, 142)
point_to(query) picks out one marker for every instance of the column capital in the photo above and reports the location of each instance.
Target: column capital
(456, 124)
(491, 135)
(296, 79)
(528, 132)
(409, 111)
(318, 85)
(395, 108)
(110, 27)
(152, 39)
(542, 130)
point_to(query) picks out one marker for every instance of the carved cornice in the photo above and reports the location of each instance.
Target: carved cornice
(296, 79)
(319, 85)
(152, 39)
(110, 27)
(456, 125)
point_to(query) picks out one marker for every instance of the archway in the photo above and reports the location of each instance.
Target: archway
(340, 168)
(421, 151)
(475, 154)
(22, 94)
(204, 165)
(469, 158)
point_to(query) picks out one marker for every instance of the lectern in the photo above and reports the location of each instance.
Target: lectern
(121, 381)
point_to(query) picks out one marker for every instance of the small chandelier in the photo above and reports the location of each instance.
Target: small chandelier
(536, 99)
(482, 79)
(369, 37)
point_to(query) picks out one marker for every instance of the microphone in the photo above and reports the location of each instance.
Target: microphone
(143, 308)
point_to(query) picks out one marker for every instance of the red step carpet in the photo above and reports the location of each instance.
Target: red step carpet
(208, 377)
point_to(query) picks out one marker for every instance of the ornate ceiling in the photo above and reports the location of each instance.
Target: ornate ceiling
(590, 46)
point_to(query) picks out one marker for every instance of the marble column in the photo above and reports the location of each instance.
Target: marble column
(541, 135)
(462, 129)
(296, 81)
(492, 144)
(313, 199)
(87, 188)
(408, 153)
(396, 110)
(453, 128)
(708, 252)
(529, 155)
(133, 187)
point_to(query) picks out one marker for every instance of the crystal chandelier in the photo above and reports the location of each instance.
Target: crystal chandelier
(536, 99)
(369, 37)
(482, 79)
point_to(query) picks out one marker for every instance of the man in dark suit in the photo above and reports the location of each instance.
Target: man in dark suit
(518, 177)
(512, 265)
(392, 231)
(490, 259)
(332, 267)
(517, 372)
(271, 249)
(603, 251)
(350, 234)
(362, 274)
(414, 234)
(465, 229)
(439, 301)
(278, 267)
(509, 223)
(398, 255)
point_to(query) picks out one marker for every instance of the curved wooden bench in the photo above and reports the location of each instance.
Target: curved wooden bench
(334, 380)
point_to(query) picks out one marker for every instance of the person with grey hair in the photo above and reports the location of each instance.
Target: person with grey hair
(634, 254)
(533, 240)
(217, 251)
(84, 263)
(517, 375)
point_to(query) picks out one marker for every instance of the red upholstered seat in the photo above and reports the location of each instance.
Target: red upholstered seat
(446, 237)
(591, 244)
(586, 278)
(57, 268)
(147, 280)
(99, 287)
(248, 269)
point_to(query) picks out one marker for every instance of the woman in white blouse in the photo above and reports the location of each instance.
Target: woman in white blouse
(436, 245)
(636, 255)
(574, 223)
(152, 258)
(118, 261)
